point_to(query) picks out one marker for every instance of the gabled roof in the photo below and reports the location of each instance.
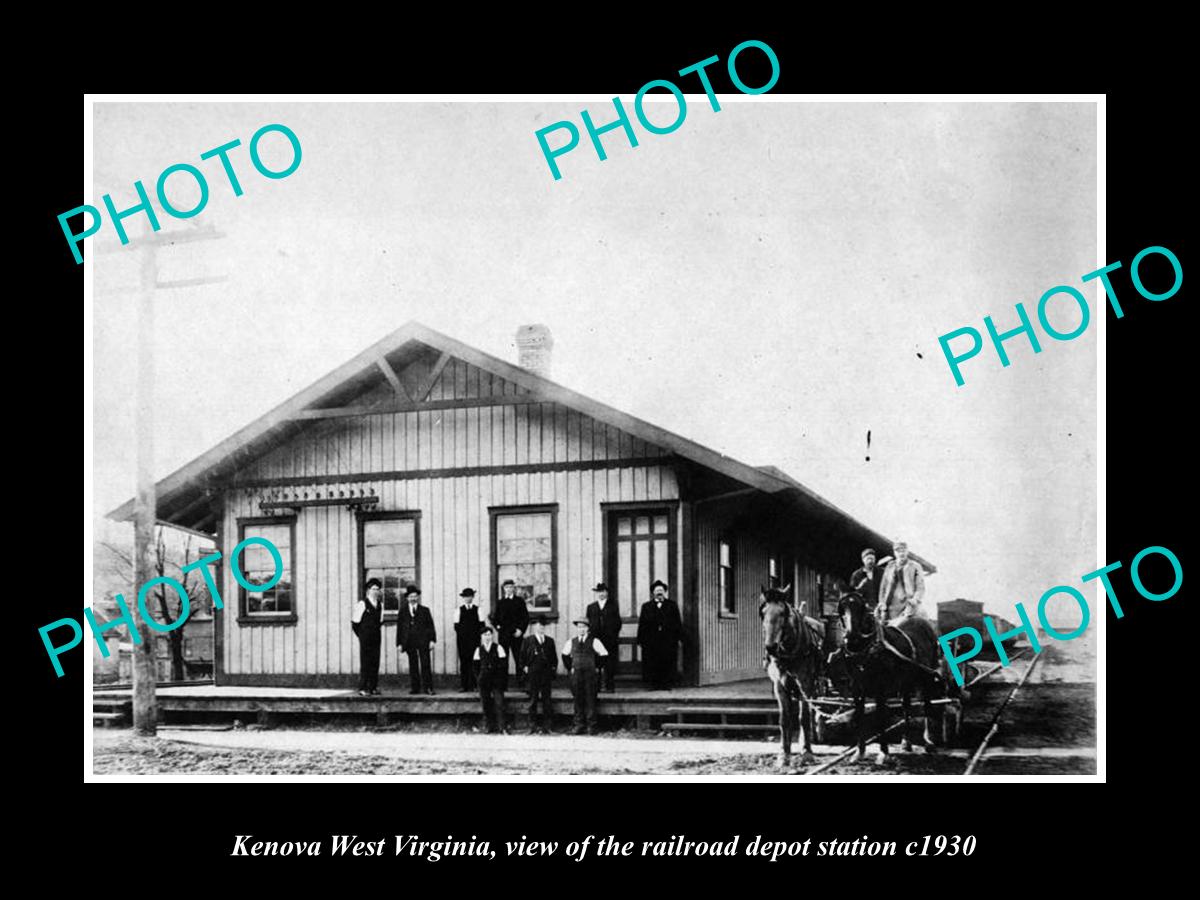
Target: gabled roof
(185, 489)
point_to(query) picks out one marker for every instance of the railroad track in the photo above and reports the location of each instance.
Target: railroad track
(980, 750)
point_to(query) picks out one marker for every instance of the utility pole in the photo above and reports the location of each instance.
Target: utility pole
(145, 674)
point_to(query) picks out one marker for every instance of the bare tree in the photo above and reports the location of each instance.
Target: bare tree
(171, 609)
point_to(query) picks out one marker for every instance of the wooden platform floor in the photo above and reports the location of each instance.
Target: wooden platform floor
(628, 700)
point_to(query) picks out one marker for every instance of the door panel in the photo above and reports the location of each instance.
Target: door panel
(641, 548)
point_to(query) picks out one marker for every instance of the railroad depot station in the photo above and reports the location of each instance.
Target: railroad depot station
(424, 460)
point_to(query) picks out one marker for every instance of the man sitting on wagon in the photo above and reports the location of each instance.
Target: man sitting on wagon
(901, 587)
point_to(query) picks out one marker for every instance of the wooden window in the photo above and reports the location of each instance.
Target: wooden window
(389, 549)
(725, 582)
(277, 605)
(525, 549)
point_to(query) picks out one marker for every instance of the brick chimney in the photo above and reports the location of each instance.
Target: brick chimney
(534, 344)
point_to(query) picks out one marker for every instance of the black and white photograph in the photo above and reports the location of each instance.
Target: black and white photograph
(743, 451)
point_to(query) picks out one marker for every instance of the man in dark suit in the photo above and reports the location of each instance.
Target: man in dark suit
(539, 662)
(366, 620)
(467, 629)
(510, 615)
(414, 634)
(659, 631)
(604, 623)
(866, 580)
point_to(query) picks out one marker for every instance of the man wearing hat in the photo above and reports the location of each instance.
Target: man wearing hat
(491, 671)
(539, 662)
(580, 657)
(414, 634)
(604, 621)
(901, 587)
(658, 634)
(510, 615)
(467, 629)
(365, 620)
(865, 580)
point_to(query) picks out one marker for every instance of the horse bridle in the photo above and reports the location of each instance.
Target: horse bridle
(871, 637)
(877, 640)
(793, 630)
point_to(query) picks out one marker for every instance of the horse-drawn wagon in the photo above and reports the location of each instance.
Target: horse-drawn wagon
(828, 676)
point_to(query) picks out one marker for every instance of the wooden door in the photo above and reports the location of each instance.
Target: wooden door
(641, 548)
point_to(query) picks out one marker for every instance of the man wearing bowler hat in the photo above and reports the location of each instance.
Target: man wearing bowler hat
(579, 656)
(366, 620)
(604, 622)
(539, 662)
(866, 579)
(659, 631)
(467, 629)
(414, 634)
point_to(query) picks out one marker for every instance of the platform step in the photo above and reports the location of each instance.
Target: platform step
(723, 710)
(716, 726)
(120, 706)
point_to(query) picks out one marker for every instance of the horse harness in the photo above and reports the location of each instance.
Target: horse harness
(880, 638)
(789, 678)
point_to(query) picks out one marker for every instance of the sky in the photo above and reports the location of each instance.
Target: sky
(769, 280)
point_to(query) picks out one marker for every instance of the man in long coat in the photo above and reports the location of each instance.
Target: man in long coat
(659, 631)
(510, 615)
(414, 634)
(604, 623)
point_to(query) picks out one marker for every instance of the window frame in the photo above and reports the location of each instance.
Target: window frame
(727, 611)
(364, 516)
(245, 617)
(494, 514)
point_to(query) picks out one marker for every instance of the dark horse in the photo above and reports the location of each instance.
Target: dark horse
(884, 660)
(795, 663)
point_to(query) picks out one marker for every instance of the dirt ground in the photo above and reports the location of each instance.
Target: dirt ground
(1050, 729)
(392, 752)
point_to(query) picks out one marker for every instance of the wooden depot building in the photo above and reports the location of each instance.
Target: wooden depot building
(425, 460)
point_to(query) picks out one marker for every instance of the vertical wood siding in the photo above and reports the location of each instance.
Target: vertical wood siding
(731, 647)
(453, 530)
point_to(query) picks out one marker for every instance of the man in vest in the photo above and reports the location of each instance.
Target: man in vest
(866, 579)
(580, 657)
(510, 615)
(604, 622)
(658, 634)
(539, 662)
(467, 629)
(901, 587)
(365, 620)
(414, 634)
(491, 673)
